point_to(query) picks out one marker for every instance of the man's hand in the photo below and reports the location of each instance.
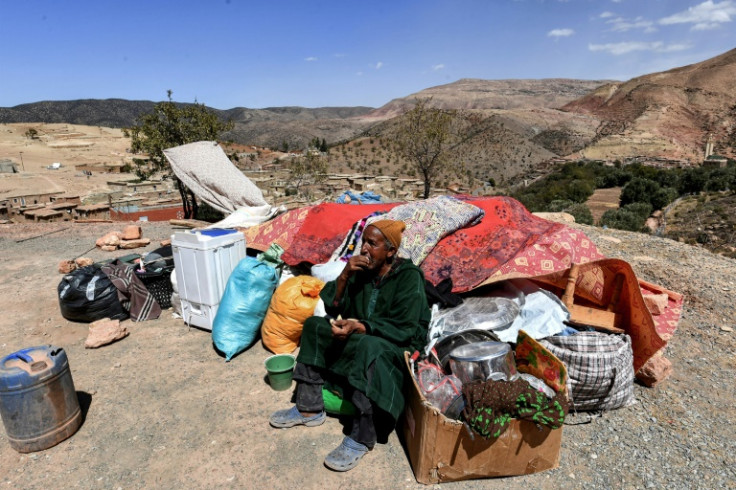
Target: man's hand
(342, 329)
(354, 264)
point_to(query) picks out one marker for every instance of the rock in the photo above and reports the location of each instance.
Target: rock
(655, 370)
(131, 232)
(83, 261)
(111, 238)
(726, 329)
(141, 242)
(103, 332)
(656, 303)
(66, 266)
(556, 217)
(109, 248)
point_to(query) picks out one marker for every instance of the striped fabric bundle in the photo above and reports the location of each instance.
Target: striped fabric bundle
(600, 368)
(132, 293)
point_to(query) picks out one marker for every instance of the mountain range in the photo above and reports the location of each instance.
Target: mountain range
(517, 124)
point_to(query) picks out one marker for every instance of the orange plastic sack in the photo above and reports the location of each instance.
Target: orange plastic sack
(291, 304)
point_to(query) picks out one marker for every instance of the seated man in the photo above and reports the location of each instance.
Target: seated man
(381, 311)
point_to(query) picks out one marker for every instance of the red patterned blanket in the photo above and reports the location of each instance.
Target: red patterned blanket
(508, 242)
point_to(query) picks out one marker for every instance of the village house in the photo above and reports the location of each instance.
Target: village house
(19, 201)
(93, 211)
(100, 167)
(43, 214)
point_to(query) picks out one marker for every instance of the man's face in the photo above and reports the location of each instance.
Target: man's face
(376, 248)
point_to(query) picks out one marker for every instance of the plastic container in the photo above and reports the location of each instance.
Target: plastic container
(156, 275)
(203, 262)
(280, 370)
(38, 403)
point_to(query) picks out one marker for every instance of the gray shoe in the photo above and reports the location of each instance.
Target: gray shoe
(346, 456)
(291, 417)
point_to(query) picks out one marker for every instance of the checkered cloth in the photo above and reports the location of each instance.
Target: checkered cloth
(600, 368)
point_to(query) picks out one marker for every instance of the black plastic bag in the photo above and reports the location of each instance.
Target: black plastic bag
(87, 294)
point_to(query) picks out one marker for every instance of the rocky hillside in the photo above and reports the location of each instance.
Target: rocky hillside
(668, 114)
(471, 93)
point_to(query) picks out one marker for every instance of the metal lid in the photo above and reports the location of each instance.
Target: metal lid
(480, 351)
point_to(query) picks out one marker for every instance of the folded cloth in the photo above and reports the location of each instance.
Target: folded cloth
(427, 222)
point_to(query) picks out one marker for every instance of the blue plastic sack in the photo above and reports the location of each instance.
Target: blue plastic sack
(367, 197)
(243, 306)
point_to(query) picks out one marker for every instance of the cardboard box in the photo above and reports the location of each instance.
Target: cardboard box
(443, 450)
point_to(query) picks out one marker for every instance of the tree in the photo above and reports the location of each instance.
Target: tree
(307, 169)
(425, 138)
(638, 189)
(167, 126)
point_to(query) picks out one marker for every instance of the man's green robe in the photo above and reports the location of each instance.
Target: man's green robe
(396, 315)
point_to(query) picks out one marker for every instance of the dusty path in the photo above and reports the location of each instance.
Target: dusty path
(165, 411)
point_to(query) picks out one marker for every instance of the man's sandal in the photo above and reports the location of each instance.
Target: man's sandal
(291, 417)
(346, 456)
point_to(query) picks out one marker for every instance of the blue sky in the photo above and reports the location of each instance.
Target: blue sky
(265, 53)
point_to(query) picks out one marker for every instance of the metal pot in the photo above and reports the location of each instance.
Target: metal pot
(446, 345)
(483, 361)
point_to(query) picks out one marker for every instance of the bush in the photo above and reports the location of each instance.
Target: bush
(693, 181)
(638, 190)
(559, 205)
(622, 219)
(640, 209)
(579, 190)
(631, 217)
(582, 213)
(662, 197)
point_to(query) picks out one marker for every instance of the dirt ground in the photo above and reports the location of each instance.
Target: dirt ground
(602, 200)
(163, 410)
(67, 144)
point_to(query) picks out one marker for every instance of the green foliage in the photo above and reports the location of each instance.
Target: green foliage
(167, 126)
(559, 205)
(580, 190)
(425, 138)
(693, 180)
(31, 134)
(581, 213)
(720, 179)
(611, 177)
(640, 209)
(638, 189)
(630, 217)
